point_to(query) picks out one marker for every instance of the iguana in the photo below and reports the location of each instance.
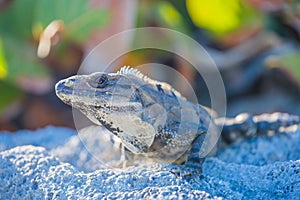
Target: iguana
(154, 120)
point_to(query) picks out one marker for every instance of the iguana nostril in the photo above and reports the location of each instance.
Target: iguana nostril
(64, 86)
(70, 82)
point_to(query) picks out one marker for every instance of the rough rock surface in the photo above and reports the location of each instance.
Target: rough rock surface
(60, 165)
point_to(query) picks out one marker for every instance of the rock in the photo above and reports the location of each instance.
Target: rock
(29, 172)
(264, 167)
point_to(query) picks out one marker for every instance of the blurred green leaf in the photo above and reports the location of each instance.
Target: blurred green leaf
(81, 27)
(17, 18)
(291, 64)
(3, 66)
(9, 94)
(219, 17)
(79, 18)
(22, 60)
(170, 16)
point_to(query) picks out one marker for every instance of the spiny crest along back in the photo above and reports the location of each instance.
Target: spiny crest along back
(168, 89)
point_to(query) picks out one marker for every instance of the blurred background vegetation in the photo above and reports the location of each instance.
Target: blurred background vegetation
(255, 44)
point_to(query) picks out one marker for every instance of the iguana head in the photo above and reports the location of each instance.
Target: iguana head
(112, 92)
(127, 103)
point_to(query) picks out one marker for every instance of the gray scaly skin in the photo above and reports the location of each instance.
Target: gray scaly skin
(154, 120)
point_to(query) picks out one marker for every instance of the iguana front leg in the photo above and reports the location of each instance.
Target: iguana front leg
(193, 165)
(194, 161)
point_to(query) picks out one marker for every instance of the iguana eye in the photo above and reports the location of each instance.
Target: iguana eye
(101, 81)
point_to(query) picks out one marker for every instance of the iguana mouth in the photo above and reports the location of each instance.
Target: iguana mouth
(130, 107)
